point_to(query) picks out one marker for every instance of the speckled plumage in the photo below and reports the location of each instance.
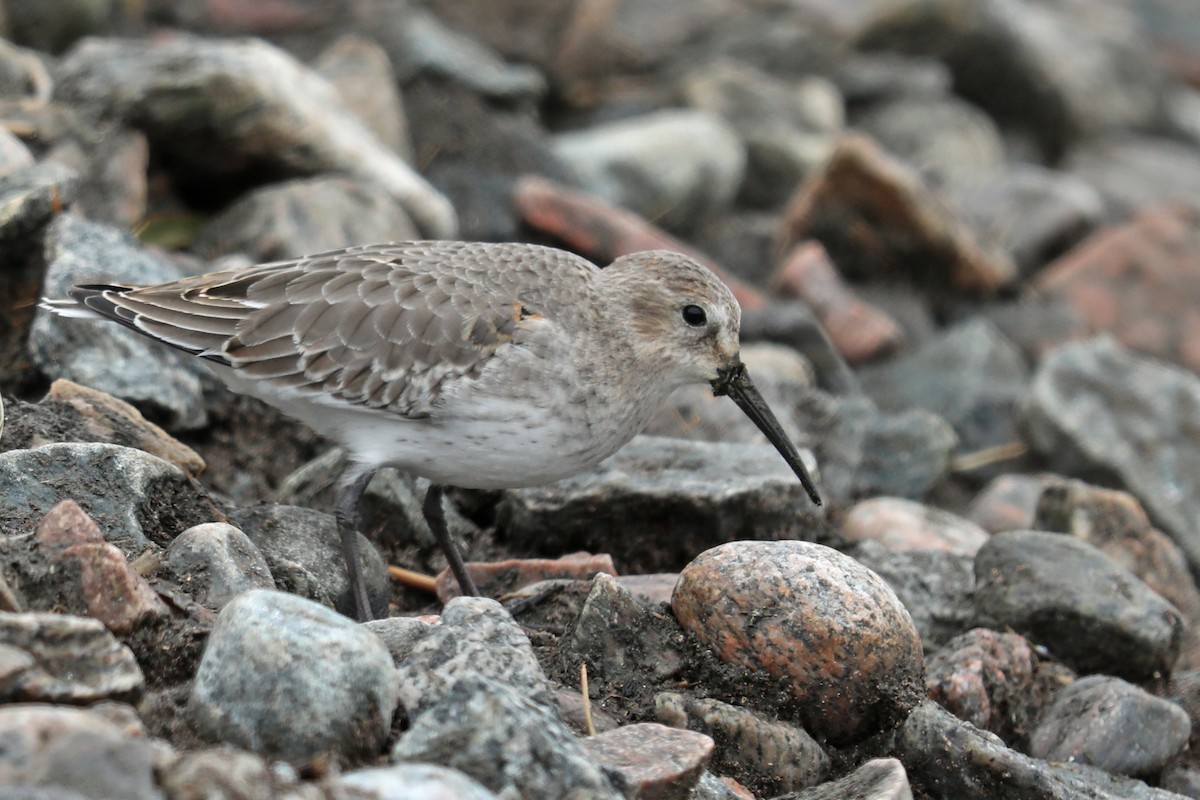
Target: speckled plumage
(474, 365)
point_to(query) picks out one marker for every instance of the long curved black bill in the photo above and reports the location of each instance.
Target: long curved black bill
(736, 383)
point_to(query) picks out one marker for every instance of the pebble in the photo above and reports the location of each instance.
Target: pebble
(936, 587)
(215, 562)
(399, 634)
(477, 641)
(303, 554)
(361, 71)
(1113, 725)
(878, 779)
(58, 658)
(865, 201)
(675, 166)
(1096, 408)
(780, 756)
(290, 679)
(1086, 609)
(988, 679)
(965, 762)
(814, 616)
(499, 578)
(509, 743)
(1008, 502)
(651, 761)
(110, 358)
(414, 782)
(902, 525)
(1139, 281)
(224, 772)
(691, 494)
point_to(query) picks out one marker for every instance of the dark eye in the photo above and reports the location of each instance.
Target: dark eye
(694, 316)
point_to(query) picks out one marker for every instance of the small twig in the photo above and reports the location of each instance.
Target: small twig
(413, 580)
(988, 456)
(587, 701)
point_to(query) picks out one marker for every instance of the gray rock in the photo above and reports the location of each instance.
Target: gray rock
(1032, 213)
(793, 324)
(414, 782)
(749, 742)
(476, 642)
(112, 162)
(675, 167)
(970, 375)
(399, 634)
(290, 679)
(302, 217)
(216, 562)
(57, 658)
(165, 383)
(952, 144)
(935, 586)
(878, 779)
(266, 109)
(14, 155)
(938, 749)
(72, 750)
(691, 494)
(303, 551)
(510, 744)
(224, 772)
(1082, 606)
(1116, 726)
(1097, 410)
(867, 78)
(134, 497)
(787, 127)
(1134, 172)
(864, 451)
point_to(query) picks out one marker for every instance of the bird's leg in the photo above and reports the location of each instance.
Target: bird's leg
(435, 515)
(347, 515)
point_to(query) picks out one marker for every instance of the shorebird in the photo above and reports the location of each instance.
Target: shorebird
(484, 366)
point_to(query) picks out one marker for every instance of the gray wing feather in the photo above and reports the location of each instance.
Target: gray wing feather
(387, 326)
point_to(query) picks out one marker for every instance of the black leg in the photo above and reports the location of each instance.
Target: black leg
(435, 515)
(347, 519)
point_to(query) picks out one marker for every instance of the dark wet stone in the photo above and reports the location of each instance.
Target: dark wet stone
(620, 639)
(266, 110)
(651, 761)
(904, 525)
(303, 552)
(952, 758)
(414, 782)
(989, 679)
(504, 740)
(71, 660)
(134, 497)
(216, 562)
(331, 689)
(814, 616)
(165, 383)
(970, 375)
(864, 452)
(749, 742)
(1032, 213)
(690, 494)
(935, 586)
(301, 217)
(878, 779)
(476, 641)
(1097, 410)
(71, 412)
(1086, 609)
(72, 750)
(1108, 723)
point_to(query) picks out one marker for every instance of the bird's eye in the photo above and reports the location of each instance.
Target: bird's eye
(694, 316)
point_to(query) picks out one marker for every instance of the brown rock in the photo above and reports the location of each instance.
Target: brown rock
(901, 525)
(818, 618)
(67, 525)
(654, 762)
(877, 218)
(859, 331)
(1009, 502)
(363, 75)
(111, 591)
(1139, 281)
(498, 578)
(603, 232)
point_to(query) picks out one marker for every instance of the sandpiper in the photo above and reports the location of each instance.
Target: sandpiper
(484, 366)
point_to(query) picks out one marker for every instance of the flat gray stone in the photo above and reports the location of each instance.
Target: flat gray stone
(68, 659)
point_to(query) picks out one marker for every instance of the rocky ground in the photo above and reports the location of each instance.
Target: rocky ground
(966, 238)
